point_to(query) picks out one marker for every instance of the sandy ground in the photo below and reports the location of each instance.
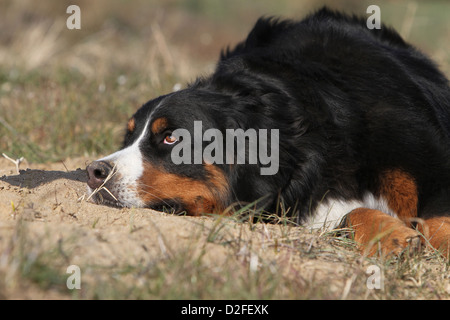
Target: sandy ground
(48, 201)
(51, 200)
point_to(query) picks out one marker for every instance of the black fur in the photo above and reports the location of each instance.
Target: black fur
(349, 102)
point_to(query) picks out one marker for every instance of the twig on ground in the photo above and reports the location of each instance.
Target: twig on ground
(17, 162)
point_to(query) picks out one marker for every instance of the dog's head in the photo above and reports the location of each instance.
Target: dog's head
(198, 150)
(144, 172)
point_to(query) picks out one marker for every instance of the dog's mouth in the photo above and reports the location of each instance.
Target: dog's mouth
(168, 206)
(105, 197)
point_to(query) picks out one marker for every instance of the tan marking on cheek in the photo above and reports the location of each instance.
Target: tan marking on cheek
(198, 197)
(217, 178)
(400, 191)
(159, 125)
(131, 125)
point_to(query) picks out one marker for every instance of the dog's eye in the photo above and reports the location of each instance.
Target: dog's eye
(169, 139)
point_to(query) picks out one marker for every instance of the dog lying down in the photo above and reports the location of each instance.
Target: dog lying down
(323, 119)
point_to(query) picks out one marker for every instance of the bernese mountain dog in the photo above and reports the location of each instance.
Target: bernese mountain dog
(361, 121)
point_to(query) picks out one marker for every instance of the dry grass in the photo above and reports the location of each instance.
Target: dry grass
(68, 92)
(142, 254)
(214, 258)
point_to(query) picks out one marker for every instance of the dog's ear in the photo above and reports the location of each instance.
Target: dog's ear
(264, 32)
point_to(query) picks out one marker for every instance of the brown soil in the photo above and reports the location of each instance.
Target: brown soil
(48, 201)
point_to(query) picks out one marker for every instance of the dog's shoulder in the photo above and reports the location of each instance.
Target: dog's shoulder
(282, 34)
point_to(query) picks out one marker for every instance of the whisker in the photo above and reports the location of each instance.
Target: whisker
(102, 186)
(106, 189)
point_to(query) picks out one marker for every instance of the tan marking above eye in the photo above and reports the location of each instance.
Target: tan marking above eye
(159, 125)
(131, 124)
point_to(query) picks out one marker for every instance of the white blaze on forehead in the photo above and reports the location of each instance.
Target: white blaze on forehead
(128, 161)
(129, 166)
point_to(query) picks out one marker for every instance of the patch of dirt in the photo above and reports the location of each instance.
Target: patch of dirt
(51, 200)
(46, 205)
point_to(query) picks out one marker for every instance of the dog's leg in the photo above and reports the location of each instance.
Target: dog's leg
(376, 231)
(400, 191)
(437, 233)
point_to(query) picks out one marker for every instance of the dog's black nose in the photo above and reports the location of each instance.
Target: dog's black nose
(97, 172)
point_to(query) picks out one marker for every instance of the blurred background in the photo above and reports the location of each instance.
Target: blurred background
(66, 93)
